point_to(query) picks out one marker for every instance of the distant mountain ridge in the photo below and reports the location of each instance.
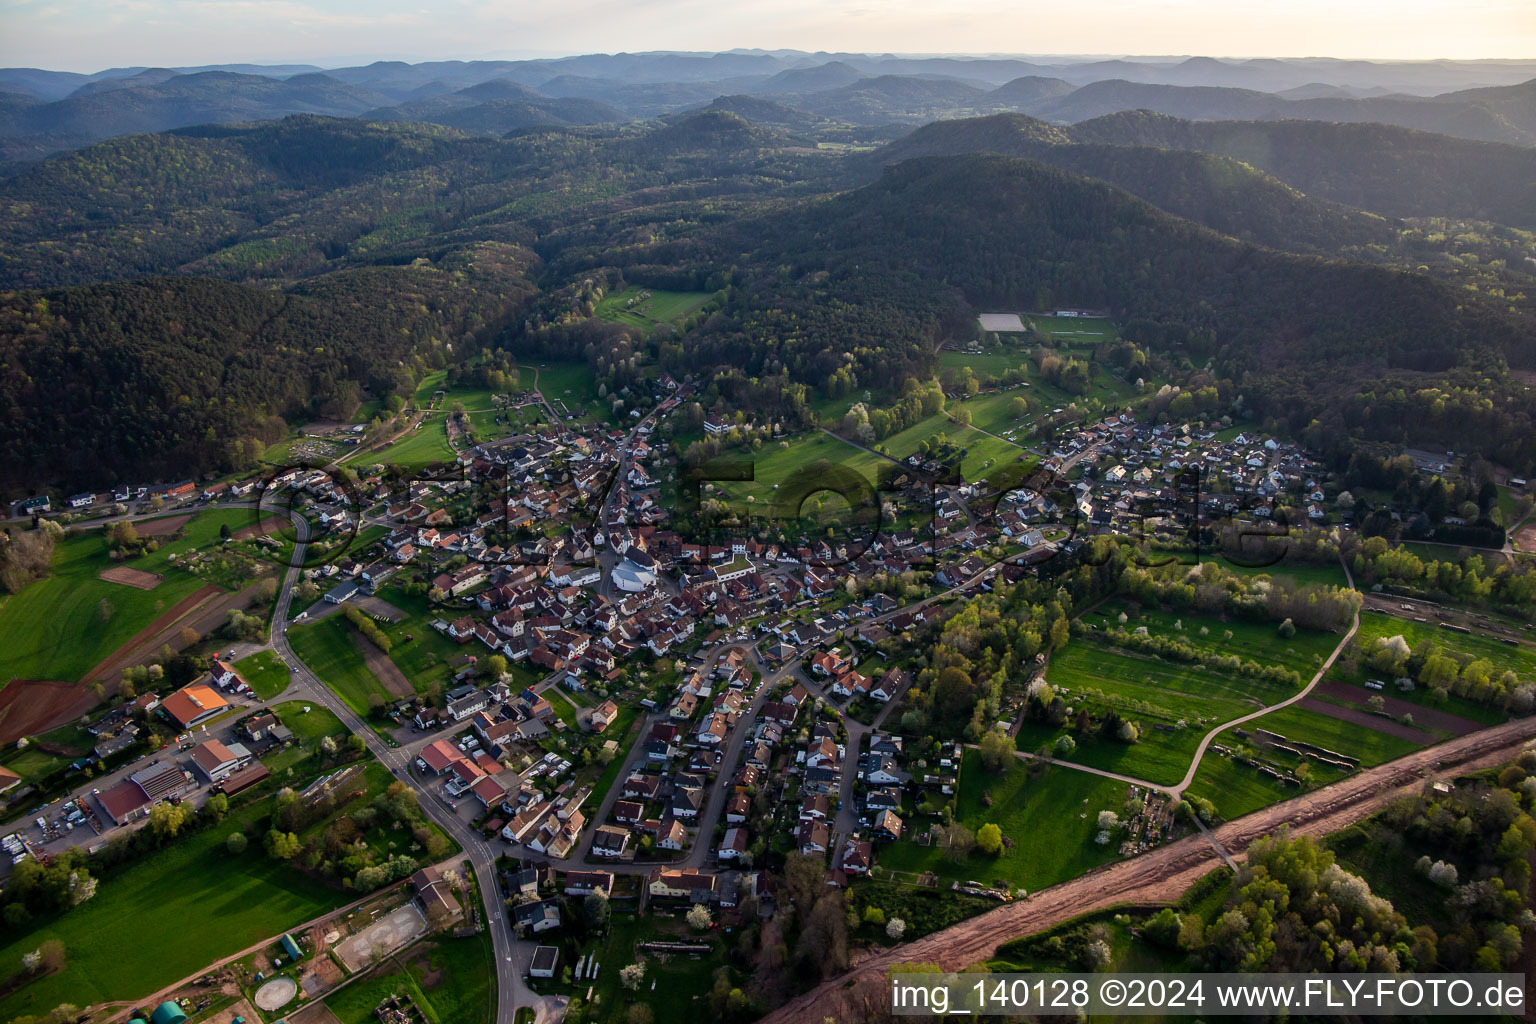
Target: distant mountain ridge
(46, 111)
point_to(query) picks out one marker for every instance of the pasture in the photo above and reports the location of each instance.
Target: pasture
(422, 445)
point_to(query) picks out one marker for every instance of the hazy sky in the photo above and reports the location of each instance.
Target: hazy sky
(88, 35)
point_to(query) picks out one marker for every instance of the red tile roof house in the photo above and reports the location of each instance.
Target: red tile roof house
(440, 755)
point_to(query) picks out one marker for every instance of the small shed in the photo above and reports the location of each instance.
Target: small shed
(290, 948)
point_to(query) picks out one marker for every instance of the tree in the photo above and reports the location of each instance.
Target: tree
(328, 746)
(699, 917)
(996, 751)
(236, 843)
(496, 665)
(1109, 820)
(282, 845)
(895, 928)
(165, 820)
(356, 743)
(958, 842)
(639, 1013)
(1287, 629)
(1064, 746)
(632, 975)
(595, 909)
(989, 839)
(189, 637)
(81, 887)
(32, 962)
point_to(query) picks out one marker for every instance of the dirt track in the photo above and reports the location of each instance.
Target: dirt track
(1155, 878)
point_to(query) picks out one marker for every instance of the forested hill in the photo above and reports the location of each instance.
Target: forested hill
(1393, 171)
(166, 378)
(878, 276)
(1219, 192)
(981, 230)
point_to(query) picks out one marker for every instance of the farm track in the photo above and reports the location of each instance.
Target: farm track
(1156, 878)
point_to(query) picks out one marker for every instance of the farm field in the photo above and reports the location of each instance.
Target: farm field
(190, 903)
(1237, 789)
(450, 979)
(1050, 819)
(54, 628)
(266, 673)
(626, 307)
(327, 648)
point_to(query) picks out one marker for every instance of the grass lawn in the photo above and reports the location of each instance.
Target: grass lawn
(266, 673)
(53, 629)
(788, 466)
(1051, 820)
(564, 709)
(450, 979)
(186, 905)
(317, 723)
(327, 648)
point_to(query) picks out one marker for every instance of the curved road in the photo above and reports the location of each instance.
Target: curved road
(511, 991)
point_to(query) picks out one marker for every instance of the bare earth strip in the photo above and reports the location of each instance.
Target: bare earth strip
(386, 671)
(131, 577)
(1153, 879)
(162, 527)
(1363, 718)
(1429, 718)
(30, 707)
